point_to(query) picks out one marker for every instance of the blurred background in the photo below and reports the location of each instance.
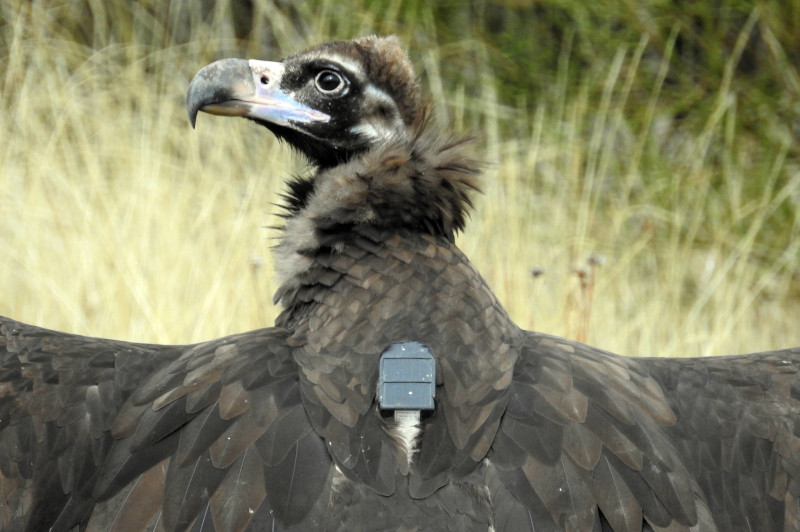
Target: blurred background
(643, 193)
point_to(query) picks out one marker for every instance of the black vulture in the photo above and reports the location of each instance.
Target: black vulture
(284, 428)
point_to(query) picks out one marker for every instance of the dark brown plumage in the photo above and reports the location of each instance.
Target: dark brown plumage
(278, 429)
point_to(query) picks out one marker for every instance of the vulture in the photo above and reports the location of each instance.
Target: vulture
(394, 392)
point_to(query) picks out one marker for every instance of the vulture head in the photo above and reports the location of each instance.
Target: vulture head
(330, 102)
(354, 109)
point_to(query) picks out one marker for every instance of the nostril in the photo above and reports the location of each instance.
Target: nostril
(264, 80)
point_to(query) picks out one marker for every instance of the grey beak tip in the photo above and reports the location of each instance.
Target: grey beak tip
(215, 83)
(194, 102)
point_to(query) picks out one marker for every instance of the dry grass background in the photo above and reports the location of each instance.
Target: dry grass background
(118, 220)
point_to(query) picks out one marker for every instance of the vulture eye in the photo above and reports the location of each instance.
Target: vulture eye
(330, 82)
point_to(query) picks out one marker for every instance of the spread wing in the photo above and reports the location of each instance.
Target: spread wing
(738, 432)
(112, 435)
(592, 439)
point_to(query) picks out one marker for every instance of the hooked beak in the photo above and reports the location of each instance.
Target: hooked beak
(251, 89)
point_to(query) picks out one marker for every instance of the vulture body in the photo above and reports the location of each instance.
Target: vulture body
(279, 428)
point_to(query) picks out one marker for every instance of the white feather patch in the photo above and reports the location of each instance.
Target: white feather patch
(406, 430)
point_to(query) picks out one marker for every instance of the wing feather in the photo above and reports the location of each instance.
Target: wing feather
(237, 438)
(615, 498)
(198, 434)
(294, 485)
(132, 508)
(240, 494)
(187, 491)
(582, 445)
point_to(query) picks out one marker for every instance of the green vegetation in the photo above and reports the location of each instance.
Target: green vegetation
(660, 137)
